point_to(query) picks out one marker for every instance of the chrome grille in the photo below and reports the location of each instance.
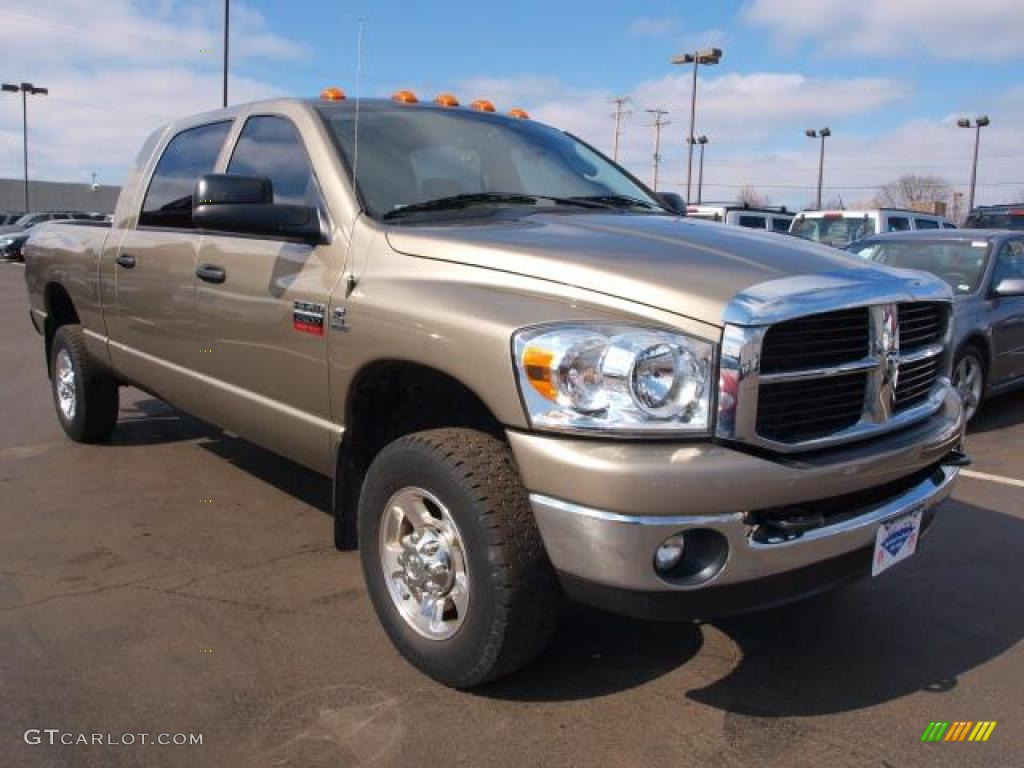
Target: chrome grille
(832, 377)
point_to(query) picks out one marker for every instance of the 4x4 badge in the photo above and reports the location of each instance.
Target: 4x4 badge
(308, 317)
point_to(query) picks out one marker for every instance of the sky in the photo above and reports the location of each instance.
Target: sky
(888, 77)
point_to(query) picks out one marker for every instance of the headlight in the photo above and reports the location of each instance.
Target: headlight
(614, 378)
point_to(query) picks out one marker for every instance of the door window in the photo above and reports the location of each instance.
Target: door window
(926, 224)
(754, 222)
(898, 224)
(270, 146)
(188, 156)
(779, 224)
(1010, 263)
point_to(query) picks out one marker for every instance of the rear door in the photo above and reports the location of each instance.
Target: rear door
(1008, 315)
(263, 327)
(152, 330)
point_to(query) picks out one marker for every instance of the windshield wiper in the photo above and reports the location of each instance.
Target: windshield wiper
(618, 201)
(455, 202)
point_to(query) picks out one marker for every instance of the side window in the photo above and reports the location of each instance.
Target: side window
(188, 156)
(898, 224)
(1010, 263)
(926, 224)
(947, 225)
(754, 222)
(779, 224)
(270, 146)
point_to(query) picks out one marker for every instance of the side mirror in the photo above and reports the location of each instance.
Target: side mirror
(674, 202)
(1009, 286)
(244, 204)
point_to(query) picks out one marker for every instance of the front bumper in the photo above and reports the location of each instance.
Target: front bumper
(603, 508)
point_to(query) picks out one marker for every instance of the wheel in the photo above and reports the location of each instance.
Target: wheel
(452, 557)
(85, 396)
(969, 379)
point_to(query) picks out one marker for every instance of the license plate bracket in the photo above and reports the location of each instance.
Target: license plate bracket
(896, 540)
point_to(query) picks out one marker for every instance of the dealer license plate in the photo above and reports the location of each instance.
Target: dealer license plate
(896, 540)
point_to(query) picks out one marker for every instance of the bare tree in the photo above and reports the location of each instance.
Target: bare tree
(914, 188)
(753, 198)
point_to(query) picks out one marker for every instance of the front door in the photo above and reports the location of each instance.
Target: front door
(152, 330)
(1008, 316)
(261, 313)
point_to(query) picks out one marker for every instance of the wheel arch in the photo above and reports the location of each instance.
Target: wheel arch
(60, 310)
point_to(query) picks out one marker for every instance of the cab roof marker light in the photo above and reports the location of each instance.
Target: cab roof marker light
(446, 100)
(482, 105)
(404, 97)
(332, 93)
(518, 113)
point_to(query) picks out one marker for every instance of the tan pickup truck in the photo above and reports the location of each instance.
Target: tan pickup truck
(529, 376)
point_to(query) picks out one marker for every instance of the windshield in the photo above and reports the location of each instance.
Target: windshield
(29, 219)
(961, 263)
(836, 231)
(410, 155)
(1013, 219)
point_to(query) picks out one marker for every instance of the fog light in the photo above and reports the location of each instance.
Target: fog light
(668, 555)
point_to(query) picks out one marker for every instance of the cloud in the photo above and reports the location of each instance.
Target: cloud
(656, 27)
(115, 76)
(951, 29)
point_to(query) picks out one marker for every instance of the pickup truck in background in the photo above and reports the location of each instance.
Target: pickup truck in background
(530, 378)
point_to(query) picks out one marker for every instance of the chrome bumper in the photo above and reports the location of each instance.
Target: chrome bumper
(617, 550)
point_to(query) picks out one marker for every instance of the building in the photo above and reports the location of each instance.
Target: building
(57, 196)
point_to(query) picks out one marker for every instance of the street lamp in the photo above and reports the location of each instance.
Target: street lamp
(979, 123)
(814, 134)
(26, 89)
(702, 141)
(706, 56)
(227, 19)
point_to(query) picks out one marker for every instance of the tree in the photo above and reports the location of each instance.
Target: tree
(753, 198)
(914, 188)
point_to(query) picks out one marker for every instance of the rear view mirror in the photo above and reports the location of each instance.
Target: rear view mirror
(1009, 286)
(674, 202)
(244, 205)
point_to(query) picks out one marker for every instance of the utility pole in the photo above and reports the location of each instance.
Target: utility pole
(620, 112)
(27, 89)
(979, 123)
(658, 124)
(707, 57)
(702, 141)
(227, 18)
(824, 133)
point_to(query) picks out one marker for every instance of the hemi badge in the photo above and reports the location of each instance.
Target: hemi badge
(308, 317)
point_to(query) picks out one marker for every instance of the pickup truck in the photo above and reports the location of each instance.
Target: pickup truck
(530, 378)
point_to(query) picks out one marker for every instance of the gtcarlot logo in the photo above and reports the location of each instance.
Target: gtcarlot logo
(55, 736)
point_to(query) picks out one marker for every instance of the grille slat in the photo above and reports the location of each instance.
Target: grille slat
(920, 324)
(816, 341)
(792, 411)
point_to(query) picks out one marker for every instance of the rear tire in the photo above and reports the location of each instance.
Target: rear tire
(86, 397)
(466, 517)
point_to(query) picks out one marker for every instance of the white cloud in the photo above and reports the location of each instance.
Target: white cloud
(654, 26)
(951, 29)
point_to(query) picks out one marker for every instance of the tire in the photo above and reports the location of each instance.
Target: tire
(90, 414)
(509, 607)
(969, 377)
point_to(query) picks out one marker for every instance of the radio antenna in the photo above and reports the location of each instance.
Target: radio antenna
(359, 79)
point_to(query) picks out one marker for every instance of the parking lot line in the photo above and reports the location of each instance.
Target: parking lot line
(992, 478)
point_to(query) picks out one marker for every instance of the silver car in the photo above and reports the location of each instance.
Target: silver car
(985, 269)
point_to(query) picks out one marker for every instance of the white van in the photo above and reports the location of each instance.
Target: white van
(840, 228)
(774, 219)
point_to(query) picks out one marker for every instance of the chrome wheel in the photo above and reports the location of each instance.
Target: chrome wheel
(424, 563)
(968, 378)
(64, 380)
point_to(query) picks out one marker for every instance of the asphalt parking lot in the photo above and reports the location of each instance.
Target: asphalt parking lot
(180, 580)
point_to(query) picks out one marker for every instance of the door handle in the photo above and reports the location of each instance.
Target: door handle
(211, 273)
(126, 260)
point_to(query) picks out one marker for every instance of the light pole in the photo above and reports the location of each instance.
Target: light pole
(707, 56)
(227, 14)
(26, 89)
(979, 123)
(702, 141)
(813, 134)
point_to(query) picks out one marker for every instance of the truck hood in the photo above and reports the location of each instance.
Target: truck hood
(709, 272)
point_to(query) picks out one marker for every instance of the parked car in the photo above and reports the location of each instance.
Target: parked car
(31, 219)
(996, 217)
(12, 243)
(6, 219)
(840, 228)
(985, 269)
(528, 377)
(772, 218)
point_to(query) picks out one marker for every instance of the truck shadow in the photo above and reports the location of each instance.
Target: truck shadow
(942, 614)
(999, 412)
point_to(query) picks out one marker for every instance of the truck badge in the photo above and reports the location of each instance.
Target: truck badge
(308, 317)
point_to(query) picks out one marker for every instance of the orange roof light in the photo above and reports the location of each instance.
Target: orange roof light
(404, 97)
(332, 94)
(483, 105)
(522, 114)
(446, 100)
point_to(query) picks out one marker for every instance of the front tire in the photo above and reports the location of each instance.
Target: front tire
(969, 380)
(85, 396)
(452, 557)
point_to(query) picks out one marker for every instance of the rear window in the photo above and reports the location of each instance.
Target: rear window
(898, 224)
(926, 224)
(754, 222)
(836, 231)
(1007, 219)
